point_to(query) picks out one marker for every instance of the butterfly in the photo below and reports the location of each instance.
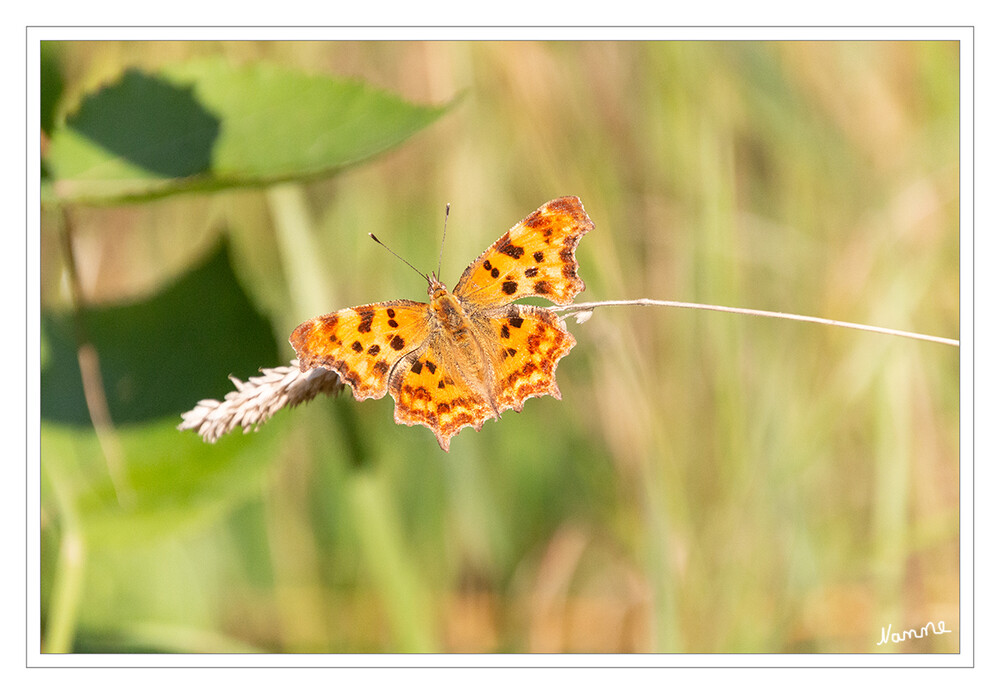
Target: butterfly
(469, 354)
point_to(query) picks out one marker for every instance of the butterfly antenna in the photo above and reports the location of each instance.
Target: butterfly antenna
(447, 209)
(375, 239)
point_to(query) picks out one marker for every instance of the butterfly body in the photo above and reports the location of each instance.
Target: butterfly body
(462, 343)
(469, 354)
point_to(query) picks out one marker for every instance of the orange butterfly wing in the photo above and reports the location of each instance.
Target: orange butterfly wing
(525, 343)
(535, 258)
(363, 344)
(430, 390)
(532, 341)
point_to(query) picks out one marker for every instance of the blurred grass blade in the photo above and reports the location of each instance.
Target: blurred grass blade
(51, 86)
(392, 567)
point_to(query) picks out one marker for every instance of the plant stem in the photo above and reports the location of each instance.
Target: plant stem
(585, 307)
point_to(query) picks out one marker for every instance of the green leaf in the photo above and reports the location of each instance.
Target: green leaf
(173, 481)
(205, 125)
(161, 355)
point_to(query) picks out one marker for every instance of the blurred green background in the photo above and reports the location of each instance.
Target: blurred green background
(708, 482)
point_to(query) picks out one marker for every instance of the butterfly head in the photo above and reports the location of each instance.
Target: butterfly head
(435, 287)
(447, 308)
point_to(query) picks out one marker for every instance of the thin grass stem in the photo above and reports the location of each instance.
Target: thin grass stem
(586, 308)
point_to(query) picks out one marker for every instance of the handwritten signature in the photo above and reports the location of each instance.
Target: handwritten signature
(898, 637)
